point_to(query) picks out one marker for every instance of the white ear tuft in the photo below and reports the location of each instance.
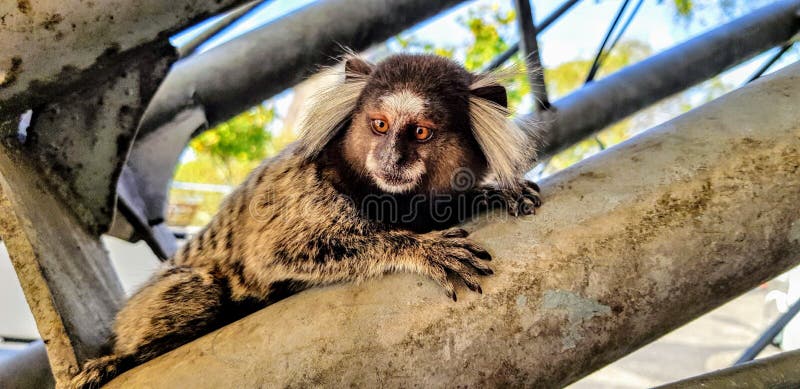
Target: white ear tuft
(509, 148)
(328, 110)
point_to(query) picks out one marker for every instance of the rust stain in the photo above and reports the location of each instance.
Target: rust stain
(10, 76)
(52, 21)
(24, 6)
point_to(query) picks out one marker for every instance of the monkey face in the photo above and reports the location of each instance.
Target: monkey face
(411, 130)
(398, 132)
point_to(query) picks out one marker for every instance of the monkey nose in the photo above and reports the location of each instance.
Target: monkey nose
(391, 157)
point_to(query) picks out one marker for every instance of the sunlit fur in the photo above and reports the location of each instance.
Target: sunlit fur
(495, 130)
(509, 145)
(296, 222)
(329, 109)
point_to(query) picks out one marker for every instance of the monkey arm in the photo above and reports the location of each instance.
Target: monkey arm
(327, 259)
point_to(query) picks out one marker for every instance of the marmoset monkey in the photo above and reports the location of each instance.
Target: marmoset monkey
(387, 156)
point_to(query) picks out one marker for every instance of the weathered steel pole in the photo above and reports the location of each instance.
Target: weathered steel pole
(604, 102)
(629, 245)
(64, 271)
(50, 47)
(777, 371)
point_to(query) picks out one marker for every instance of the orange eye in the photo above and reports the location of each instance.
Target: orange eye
(422, 133)
(380, 126)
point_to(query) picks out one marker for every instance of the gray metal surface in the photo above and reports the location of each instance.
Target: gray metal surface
(26, 368)
(53, 47)
(81, 140)
(64, 271)
(775, 372)
(530, 50)
(606, 101)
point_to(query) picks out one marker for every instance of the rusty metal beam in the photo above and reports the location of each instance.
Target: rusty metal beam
(51, 47)
(630, 244)
(64, 271)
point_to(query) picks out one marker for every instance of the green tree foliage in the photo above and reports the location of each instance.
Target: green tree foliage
(223, 155)
(242, 139)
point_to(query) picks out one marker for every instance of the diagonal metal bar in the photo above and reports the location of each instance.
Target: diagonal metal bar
(530, 49)
(602, 48)
(622, 30)
(771, 61)
(777, 371)
(601, 57)
(772, 331)
(604, 102)
(218, 25)
(546, 23)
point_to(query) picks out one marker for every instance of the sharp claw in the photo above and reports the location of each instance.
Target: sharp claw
(483, 254)
(456, 233)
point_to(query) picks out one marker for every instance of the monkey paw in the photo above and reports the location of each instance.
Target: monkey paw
(96, 372)
(452, 254)
(520, 201)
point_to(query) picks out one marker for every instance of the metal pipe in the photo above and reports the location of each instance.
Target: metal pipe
(27, 368)
(625, 25)
(777, 371)
(547, 22)
(771, 61)
(604, 102)
(220, 24)
(533, 60)
(620, 254)
(261, 63)
(602, 48)
(771, 332)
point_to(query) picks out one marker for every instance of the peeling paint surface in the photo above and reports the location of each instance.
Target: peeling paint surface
(794, 232)
(578, 309)
(57, 40)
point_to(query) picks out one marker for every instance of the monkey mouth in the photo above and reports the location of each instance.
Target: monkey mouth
(394, 183)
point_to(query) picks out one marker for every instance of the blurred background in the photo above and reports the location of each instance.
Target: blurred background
(473, 34)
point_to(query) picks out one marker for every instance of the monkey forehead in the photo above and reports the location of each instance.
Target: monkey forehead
(403, 102)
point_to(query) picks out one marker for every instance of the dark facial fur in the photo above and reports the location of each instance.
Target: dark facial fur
(406, 92)
(294, 223)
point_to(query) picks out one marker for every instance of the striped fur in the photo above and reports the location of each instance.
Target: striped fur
(298, 220)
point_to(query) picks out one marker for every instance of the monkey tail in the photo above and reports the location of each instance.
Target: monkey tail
(99, 371)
